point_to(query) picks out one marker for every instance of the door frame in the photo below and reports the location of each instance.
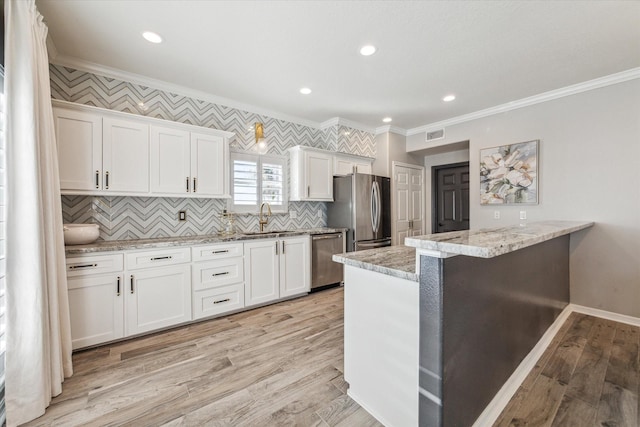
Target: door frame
(434, 190)
(394, 164)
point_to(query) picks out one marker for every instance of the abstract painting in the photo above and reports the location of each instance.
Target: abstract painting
(509, 174)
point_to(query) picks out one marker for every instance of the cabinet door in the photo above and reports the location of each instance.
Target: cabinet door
(207, 164)
(96, 308)
(170, 161)
(319, 176)
(363, 167)
(158, 298)
(125, 156)
(342, 166)
(79, 139)
(261, 272)
(295, 267)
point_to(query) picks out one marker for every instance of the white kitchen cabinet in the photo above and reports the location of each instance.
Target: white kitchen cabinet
(100, 154)
(79, 139)
(276, 269)
(157, 298)
(295, 266)
(184, 162)
(261, 271)
(125, 155)
(344, 164)
(311, 174)
(217, 279)
(96, 299)
(105, 152)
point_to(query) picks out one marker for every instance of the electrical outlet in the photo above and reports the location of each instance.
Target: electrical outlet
(496, 214)
(319, 213)
(293, 214)
(182, 216)
(523, 214)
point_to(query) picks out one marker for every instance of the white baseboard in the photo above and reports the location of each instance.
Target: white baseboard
(508, 390)
(366, 407)
(596, 312)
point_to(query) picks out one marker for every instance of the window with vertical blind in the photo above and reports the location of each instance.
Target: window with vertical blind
(256, 179)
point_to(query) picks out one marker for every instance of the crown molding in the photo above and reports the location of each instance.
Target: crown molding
(391, 129)
(611, 79)
(91, 67)
(339, 121)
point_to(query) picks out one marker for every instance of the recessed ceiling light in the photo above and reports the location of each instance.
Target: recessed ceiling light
(305, 91)
(152, 37)
(367, 50)
(449, 98)
(387, 119)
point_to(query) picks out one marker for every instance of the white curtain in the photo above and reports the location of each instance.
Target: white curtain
(38, 334)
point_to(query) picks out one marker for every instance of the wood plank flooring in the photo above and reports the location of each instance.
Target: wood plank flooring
(276, 365)
(281, 365)
(588, 376)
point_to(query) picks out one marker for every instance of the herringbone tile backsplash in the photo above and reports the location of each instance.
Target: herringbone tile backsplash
(146, 217)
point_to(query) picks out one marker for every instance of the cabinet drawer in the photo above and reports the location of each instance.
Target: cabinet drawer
(216, 273)
(210, 252)
(210, 302)
(85, 265)
(162, 257)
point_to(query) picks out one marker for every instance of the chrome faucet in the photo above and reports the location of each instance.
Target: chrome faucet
(264, 221)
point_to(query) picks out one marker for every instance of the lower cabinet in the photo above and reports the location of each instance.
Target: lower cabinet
(120, 294)
(157, 298)
(276, 268)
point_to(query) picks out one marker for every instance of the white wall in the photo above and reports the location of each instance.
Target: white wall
(589, 169)
(391, 147)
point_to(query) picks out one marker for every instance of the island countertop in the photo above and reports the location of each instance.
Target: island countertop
(492, 242)
(396, 261)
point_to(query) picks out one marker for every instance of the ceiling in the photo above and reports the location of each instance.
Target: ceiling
(256, 55)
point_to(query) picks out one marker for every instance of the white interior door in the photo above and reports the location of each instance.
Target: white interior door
(408, 183)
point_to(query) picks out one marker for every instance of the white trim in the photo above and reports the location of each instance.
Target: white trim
(612, 79)
(510, 387)
(139, 117)
(339, 121)
(596, 312)
(493, 410)
(91, 67)
(367, 408)
(390, 129)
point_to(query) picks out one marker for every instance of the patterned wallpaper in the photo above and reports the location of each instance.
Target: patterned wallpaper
(144, 217)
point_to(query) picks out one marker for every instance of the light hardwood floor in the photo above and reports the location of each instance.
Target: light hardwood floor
(276, 365)
(588, 376)
(281, 365)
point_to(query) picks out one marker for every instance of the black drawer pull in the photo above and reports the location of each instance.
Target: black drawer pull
(118, 290)
(161, 257)
(220, 274)
(222, 300)
(131, 283)
(76, 267)
(220, 252)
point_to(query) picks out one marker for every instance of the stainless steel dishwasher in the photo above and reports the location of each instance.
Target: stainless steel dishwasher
(324, 271)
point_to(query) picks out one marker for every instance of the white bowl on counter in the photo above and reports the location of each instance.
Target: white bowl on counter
(80, 234)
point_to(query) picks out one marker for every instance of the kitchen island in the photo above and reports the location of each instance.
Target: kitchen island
(483, 301)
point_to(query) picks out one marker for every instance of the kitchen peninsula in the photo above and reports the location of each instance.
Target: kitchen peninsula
(434, 348)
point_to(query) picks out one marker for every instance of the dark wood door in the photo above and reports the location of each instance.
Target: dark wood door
(451, 198)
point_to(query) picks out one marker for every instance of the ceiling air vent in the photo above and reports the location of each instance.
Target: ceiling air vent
(436, 134)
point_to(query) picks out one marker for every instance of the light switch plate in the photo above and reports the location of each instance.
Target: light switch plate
(496, 214)
(182, 216)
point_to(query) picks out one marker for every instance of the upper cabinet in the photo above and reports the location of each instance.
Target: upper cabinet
(112, 153)
(184, 162)
(344, 164)
(311, 174)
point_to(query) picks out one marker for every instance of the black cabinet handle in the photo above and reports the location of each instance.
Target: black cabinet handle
(220, 252)
(187, 184)
(220, 274)
(194, 185)
(161, 257)
(222, 300)
(118, 287)
(132, 283)
(106, 180)
(97, 179)
(77, 267)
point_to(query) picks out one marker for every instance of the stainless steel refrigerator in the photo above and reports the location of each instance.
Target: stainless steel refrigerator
(362, 203)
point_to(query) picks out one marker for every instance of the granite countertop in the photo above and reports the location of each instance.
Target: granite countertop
(396, 261)
(491, 242)
(163, 242)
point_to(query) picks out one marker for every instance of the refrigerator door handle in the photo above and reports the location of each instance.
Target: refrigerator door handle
(374, 207)
(378, 206)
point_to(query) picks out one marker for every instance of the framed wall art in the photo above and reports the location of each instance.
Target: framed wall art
(509, 174)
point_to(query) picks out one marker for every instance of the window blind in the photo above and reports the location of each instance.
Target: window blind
(258, 179)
